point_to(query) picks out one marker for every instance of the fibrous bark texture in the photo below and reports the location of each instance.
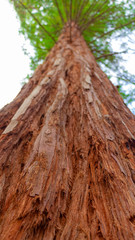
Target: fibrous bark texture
(67, 153)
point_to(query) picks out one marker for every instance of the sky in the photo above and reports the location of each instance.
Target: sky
(14, 65)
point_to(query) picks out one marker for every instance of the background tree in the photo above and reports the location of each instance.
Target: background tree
(100, 22)
(67, 143)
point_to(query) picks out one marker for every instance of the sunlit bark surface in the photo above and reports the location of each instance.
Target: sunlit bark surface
(67, 153)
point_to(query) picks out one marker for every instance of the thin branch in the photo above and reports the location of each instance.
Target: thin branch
(84, 20)
(37, 21)
(110, 54)
(80, 10)
(114, 29)
(126, 80)
(95, 17)
(103, 14)
(57, 5)
(70, 20)
(76, 7)
(66, 9)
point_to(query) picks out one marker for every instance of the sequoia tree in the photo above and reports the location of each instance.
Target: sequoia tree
(67, 143)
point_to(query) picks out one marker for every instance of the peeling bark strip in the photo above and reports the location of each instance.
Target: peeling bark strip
(67, 153)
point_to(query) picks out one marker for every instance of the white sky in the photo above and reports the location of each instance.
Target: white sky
(14, 65)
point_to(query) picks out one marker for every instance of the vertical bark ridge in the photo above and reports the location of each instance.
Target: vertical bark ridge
(67, 153)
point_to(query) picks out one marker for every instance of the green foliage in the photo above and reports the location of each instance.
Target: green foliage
(100, 21)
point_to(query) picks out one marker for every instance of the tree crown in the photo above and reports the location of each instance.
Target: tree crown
(99, 21)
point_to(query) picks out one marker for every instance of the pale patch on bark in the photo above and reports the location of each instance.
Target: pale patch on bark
(27, 103)
(46, 140)
(98, 77)
(85, 85)
(90, 98)
(47, 78)
(58, 60)
(50, 73)
(34, 180)
(88, 79)
(118, 162)
(87, 82)
(128, 129)
(22, 110)
(2, 182)
(90, 94)
(63, 86)
(11, 126)
(97, 110)
(88, 69)
(45, 81)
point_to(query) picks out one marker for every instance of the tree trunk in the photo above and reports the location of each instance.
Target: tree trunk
(67, 152)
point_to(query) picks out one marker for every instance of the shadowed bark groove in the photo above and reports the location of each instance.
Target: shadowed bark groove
(67, 153)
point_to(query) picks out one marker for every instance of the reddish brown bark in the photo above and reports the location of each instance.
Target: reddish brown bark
(67, 153)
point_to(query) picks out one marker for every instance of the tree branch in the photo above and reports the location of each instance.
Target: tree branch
(96, 16)
(87, 13)
(114, 29)
(66, 9)
(37, 21)
(80, 10)
(57, 5)
(70, 20)
(110, 54)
